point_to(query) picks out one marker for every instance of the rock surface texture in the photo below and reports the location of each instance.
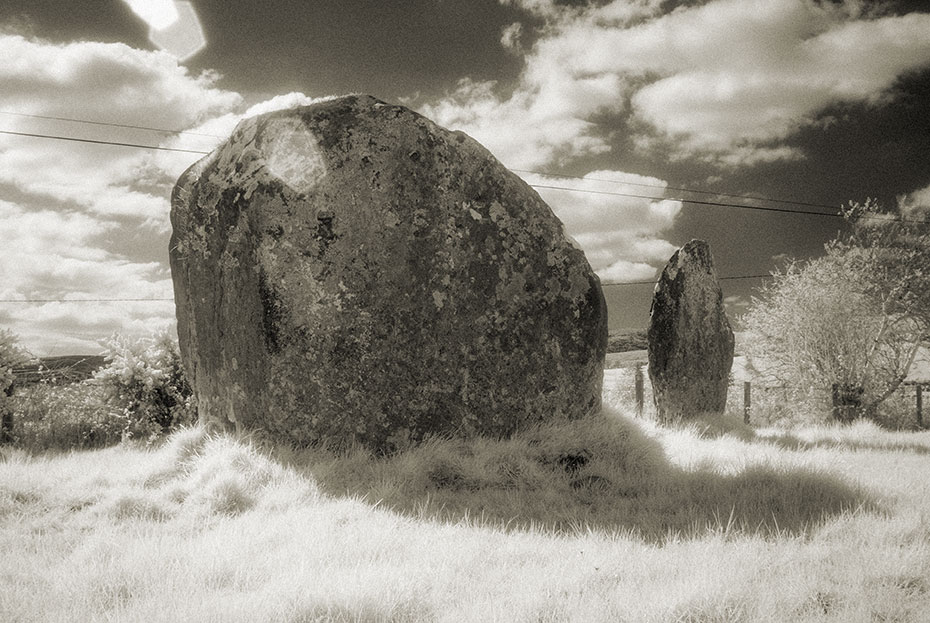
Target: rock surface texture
(349, 272)
(690, 339)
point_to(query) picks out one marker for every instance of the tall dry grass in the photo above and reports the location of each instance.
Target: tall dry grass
(601, 521)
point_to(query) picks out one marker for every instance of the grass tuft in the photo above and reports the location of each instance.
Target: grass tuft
(714, 426)
(229, 495)
(711, 610)
(366, 612)
(135, 506)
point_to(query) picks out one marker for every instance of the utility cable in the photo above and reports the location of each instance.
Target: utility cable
(108, 124)
(87, 140)
(80, 300)
(693, 201)
(608, 284)
(726, 205)
(655, 281)
(541, 186)
(543, 173)
(677, 188)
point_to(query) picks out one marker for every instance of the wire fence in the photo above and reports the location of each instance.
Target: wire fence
(763, 404)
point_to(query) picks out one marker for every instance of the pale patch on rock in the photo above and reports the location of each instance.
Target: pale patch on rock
(293, 155)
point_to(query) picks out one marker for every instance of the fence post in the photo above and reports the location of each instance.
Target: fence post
(847, 402)
(6, 417)
(6, 426)
(747, 401)
(638, 380)
(920, 406)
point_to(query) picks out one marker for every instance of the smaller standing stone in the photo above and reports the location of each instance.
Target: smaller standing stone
(690, 339)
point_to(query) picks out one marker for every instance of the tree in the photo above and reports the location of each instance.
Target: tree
(11, 356)
(892, 255)
(852, 321)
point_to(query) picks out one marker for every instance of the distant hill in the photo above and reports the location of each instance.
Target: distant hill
(624, 340)
(629, 347)
(59, 370)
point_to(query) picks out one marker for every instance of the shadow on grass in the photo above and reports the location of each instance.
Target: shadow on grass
(601, 473)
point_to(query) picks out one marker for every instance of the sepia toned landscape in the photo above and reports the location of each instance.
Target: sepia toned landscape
(498, 310)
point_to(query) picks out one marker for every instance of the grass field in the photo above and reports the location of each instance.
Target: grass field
(610, 520)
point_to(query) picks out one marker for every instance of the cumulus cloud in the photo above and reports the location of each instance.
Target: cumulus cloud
(554, 11)
(71, 210)
(915, 204)
(59, 254)
(214, 130)
(737, 77)
(737, 304)
(727, 81)
(531, 128)
(105, 82)
(623, 271)
(540, 8)
(620, 235)
(112, 81)
(510, 37)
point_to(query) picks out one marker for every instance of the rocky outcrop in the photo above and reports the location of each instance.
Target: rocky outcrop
(349, 272)
(690, 339)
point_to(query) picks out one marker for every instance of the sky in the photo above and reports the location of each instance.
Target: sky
(798, 105)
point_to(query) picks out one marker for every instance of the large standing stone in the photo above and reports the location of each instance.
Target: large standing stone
(351, 272)
(690, 339)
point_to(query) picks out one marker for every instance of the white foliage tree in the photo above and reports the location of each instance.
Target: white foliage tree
(852, 321)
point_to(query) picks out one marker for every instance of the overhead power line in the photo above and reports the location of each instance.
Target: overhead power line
(655, 281)
(80, 300)
(542, 186)
(723, 204)
(543, 173)
(677, 188)
(741, 206)
(608, 284)
(108, 124)
(87, 140)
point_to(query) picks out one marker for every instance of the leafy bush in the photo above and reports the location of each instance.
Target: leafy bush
(899, 412)
(11, 356)
(146, 380)
(49, 417)
(141, 394)
(815, 327)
